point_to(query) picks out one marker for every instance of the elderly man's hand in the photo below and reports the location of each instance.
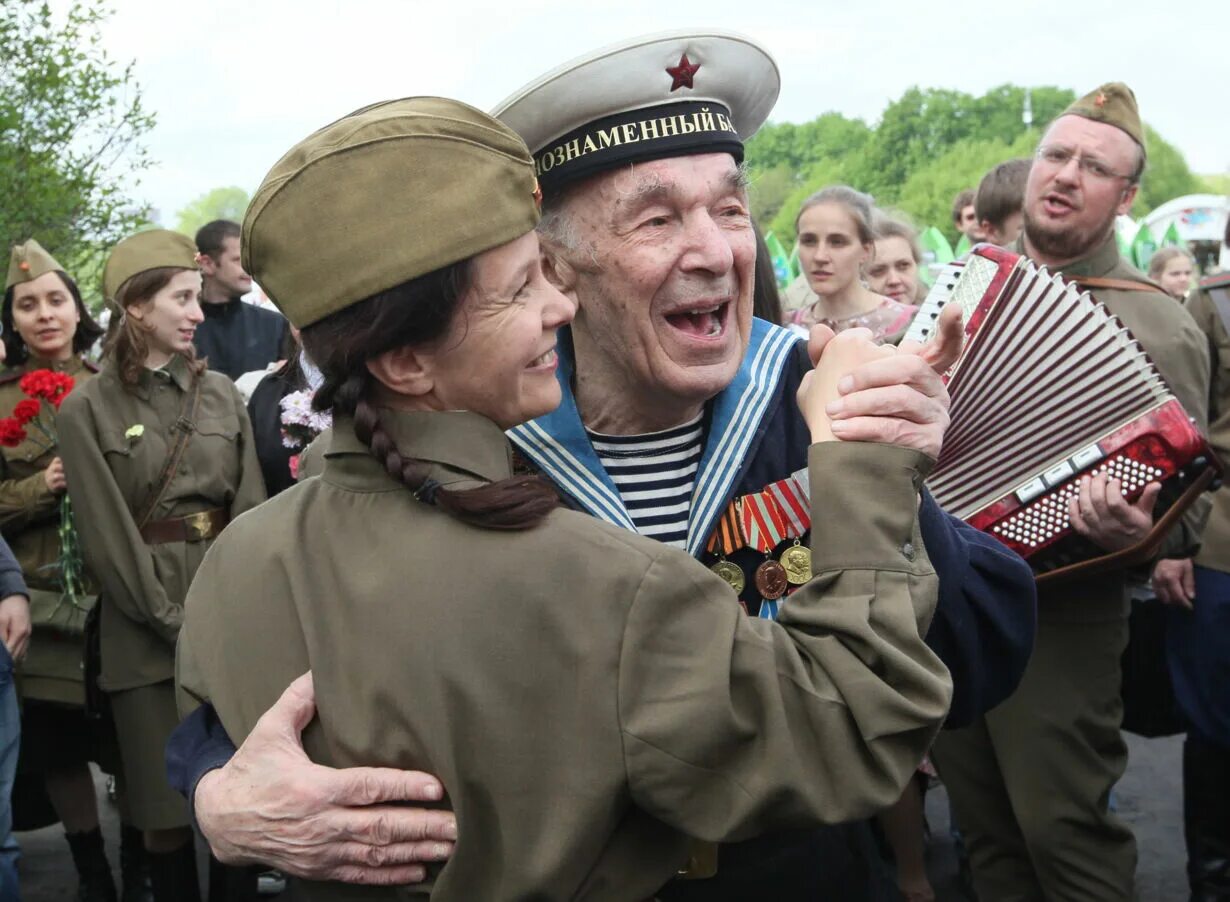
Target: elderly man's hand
(1102, 514)
(270, 804)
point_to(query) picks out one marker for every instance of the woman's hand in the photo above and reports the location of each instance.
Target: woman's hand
(54, 477)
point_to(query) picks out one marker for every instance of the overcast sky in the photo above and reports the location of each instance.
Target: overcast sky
(235, 83)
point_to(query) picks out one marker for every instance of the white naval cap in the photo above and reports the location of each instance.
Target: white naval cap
(662, 95)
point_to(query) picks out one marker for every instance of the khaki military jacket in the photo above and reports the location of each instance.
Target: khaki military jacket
(115, 442)
(1215, 548)
(1175, 344)
(587, 696)
(30, 521)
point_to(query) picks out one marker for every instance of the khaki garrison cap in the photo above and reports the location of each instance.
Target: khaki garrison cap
(28, 262)
(389, 193)
(1112, 103)
(663, 95)
(153, 249)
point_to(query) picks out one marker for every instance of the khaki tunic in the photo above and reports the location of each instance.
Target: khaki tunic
(30, 521)
(587, 696)
(1029, 780)
(1179, 349)
(112, 474)
(1215, 549)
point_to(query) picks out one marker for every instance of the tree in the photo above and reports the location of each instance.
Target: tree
(71, 129)
(1166, 177)
(220, 203)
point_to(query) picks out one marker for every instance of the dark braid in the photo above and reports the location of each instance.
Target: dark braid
(411, 313)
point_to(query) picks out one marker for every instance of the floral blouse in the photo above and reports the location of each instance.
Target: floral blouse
(887, 322)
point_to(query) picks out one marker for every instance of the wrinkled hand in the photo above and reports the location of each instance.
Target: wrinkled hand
(1174, 582)
(15, 625)
(1102, 514)
(270, 804)
(54, 476)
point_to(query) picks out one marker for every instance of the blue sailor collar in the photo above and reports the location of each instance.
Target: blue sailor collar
(559, 447)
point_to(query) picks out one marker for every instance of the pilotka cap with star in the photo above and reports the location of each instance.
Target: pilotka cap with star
(389, 193)
(1112, 103)
(28, 262)
(664, 95)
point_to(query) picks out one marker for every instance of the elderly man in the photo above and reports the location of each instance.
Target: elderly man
(1030, 781)
(678, 421)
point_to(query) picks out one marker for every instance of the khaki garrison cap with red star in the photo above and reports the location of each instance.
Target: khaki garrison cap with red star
(1114, 104)
(663, 95)
(28, 262)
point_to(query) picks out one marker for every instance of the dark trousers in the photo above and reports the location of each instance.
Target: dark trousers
(1031, 779)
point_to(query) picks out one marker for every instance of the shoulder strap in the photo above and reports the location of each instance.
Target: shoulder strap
(1120, 284)
(1217, 280)
(185, 426)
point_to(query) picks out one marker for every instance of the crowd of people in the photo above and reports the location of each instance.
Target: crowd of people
(540, 548)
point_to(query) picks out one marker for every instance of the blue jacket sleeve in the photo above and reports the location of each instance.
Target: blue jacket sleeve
(11, 581)
(198, 745)
(987, 615)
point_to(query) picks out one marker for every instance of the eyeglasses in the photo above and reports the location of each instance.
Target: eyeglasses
(1058, 156)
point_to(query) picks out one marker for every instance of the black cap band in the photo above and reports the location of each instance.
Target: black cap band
(651, 133)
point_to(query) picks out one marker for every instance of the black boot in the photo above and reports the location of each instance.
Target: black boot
(1206, 819)
(173, 875)
(94, 883)
(134, 866)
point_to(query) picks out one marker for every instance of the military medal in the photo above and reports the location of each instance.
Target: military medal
(791, 496)
(732, 573)
(771, 580)
(727, 539)
(796, 561)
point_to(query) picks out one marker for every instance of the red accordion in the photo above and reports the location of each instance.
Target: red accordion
(1051, 386)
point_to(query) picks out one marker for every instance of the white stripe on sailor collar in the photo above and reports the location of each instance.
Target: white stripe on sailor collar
(559, 447)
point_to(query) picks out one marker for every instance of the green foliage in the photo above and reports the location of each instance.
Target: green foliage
(1215, 184)
(71, 129)
(220, 203)
(1166, 175)
(928, 145)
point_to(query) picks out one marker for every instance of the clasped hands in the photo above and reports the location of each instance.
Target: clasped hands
(860, 391)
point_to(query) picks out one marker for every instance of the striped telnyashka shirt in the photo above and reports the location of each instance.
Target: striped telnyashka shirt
(654, 474)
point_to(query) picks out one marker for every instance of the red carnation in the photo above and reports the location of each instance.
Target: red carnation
(26, 410)
(11, 432)
(47, 384)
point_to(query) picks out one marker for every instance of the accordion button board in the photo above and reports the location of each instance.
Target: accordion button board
(1049, 387)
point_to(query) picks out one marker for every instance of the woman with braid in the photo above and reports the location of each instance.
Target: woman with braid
(158, 455)
(588, 697)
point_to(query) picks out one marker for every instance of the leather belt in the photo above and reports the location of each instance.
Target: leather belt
(193, 528)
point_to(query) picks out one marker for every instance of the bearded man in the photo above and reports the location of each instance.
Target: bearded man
(677, 419)
(1030, 781)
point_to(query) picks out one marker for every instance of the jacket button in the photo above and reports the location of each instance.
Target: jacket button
(908, 550)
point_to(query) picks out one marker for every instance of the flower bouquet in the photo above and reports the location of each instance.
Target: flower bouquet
(45, 390)
(301, 424)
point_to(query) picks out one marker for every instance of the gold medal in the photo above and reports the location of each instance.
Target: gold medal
(771, 581)
(732, 573)
(797, 561)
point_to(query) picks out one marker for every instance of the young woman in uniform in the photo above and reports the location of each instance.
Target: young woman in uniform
(588, 697)
(47, 327)
(159, 457)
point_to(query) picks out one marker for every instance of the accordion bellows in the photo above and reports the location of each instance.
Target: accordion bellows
(1049, 387)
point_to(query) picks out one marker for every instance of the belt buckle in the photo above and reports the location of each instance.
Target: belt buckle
(702, 861)
(198, 527)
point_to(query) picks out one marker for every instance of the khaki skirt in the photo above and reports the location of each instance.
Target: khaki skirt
(144, 720)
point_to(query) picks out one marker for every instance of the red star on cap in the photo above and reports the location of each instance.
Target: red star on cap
(682, 74)
(1100, 100)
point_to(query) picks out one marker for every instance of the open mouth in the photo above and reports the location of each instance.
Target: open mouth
(1057, 203)
(544, 361)
(704, 321)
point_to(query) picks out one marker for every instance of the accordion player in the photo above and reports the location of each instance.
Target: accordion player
(1050, 387)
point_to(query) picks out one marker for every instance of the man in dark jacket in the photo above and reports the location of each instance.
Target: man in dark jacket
(235, 338)
(14, 634)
